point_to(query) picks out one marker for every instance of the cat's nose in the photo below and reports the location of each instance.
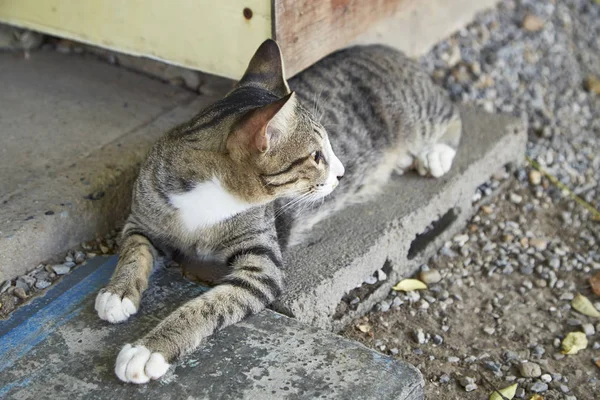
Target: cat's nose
(340, 177)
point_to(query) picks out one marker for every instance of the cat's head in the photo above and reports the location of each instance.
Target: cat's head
(279, 146)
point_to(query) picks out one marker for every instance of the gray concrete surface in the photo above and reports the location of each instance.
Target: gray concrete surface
(57, 348)
(424, 23)
(72, 132)
(354, 244)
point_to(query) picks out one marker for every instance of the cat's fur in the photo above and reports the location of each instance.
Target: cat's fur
(226, 185)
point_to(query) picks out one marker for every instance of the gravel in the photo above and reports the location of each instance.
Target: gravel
(21, 290)
(510, 275)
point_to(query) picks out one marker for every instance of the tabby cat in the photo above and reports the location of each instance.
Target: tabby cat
(246, 178)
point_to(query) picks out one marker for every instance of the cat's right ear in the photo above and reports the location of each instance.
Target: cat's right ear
(266, 70)
(259, 128)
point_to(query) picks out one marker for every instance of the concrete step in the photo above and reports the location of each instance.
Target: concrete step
(398, 231)
(56, 348)
(73, 132)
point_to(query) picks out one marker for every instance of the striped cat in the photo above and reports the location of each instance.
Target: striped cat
(239, 183)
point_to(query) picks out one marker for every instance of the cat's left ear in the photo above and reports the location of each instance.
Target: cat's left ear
(259, 128)
(266, 70)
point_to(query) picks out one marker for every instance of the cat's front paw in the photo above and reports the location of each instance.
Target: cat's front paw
(137, 364)
(114, 308)
(436, 160)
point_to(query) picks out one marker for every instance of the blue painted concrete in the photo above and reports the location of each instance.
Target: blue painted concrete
(31, 324)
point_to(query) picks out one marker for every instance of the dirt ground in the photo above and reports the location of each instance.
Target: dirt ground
(492, 317)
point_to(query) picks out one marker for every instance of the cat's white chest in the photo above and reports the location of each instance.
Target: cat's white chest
(205, 205)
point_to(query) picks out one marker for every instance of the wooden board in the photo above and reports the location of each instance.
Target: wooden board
(308, 30)
(218, 37)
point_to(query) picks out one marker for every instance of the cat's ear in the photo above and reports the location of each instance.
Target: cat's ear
(260, 127)
(266, 69)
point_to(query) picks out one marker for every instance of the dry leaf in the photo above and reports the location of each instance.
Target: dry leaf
(583, 305)
(574, 342)
(592, 84)
(408, 285)
(536, 397)
(508, 393)
(365, 328)
(595, 283)
(598, 363)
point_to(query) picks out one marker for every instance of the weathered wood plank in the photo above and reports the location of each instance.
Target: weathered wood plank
(308, 30)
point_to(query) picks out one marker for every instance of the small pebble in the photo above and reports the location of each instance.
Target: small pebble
(397, 302)
(532, 23)
(489, 330)
(520, 393)
(539, 387)
(492, 366)
(79, 257)
(453, 359)
(42, 284)
(384, 306)
(461, 240)
(546, 378)
(588, 329)
(470, 387)
(5, 286)
(466, 380)
(535, 177)
(515, 198)
(444, 378)
(430, 277)
(538, 244)
(20, 293)
(381, 275)
(419, 336)
(61, 269)
(530, 370)
(371, 280)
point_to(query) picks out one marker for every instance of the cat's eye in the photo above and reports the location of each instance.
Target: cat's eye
(317, 156)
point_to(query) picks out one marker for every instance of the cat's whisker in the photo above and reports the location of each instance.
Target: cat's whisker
(291, 203)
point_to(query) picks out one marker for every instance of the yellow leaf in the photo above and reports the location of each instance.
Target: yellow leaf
(408, 285)
(508, 393)
(584, 306)
(574, 342)
(536, 397)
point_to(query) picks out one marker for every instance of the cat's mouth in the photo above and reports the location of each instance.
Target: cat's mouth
(323, 190)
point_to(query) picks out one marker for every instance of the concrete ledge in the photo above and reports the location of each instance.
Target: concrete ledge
(56, 348)
(354, 244)
(74, 131)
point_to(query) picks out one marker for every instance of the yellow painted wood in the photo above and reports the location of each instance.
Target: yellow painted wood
(209, 35)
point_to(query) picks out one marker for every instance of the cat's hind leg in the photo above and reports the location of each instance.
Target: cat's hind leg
(437, 158)
(121, 297)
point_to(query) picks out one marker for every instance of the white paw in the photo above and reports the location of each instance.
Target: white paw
(436, 160)
(136, 364)
(110, 307)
